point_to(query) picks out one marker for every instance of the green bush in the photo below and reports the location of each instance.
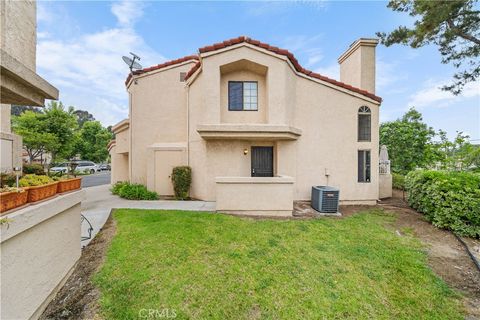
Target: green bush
(31, 180)
(7, 180)
(398, 181)
(117, 186)
(450, 200)
(130, 191)
(33, 168)
(181, 179)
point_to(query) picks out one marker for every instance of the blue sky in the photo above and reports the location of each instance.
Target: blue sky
(80, 45)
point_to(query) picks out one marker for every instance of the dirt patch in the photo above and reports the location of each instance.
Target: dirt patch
(78, 298)
(446, 255)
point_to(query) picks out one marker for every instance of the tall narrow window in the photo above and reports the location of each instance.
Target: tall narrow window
(242, 95)
(364, 165)
(364, 124)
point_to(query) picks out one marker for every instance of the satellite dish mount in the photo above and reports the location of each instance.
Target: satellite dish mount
(132, 63)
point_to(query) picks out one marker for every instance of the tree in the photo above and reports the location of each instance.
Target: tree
(458, 154)
(408, 141)
(454, 26)
(62, 123)
(93, 141)
(36, 141)
(18, 110)
(83, 116)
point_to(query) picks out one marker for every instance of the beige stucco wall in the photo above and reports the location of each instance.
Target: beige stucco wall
(325, 115)
(39, 248)
(119, 164)
(122, 141)
(18, 34)
(162, 158)
(357, 65)
(385, 186)
(158, 114)
(10, 144)
(256, 196)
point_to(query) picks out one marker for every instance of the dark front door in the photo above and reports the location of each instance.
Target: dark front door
(262, 161)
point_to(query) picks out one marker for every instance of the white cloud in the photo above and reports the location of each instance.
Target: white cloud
(432, 96)
(88, 68)
(127, 12)
(332, 71)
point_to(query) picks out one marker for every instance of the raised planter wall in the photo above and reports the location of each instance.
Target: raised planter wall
(271, 196)
(39, 248)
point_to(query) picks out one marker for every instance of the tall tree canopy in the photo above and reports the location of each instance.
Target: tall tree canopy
(36, 141)
(454, 26)
(408, 141)
(93, 141)
(83, 116)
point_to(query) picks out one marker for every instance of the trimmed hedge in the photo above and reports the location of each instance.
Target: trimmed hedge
(450, 200)
(34, 168)
(398, 181)
(133, 191)
(181, 179)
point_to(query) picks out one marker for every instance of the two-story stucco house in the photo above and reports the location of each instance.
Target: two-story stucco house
(257, 129)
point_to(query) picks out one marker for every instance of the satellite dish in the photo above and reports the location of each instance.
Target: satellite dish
(131, 63)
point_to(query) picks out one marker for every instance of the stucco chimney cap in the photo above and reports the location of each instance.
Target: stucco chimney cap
(368, 42)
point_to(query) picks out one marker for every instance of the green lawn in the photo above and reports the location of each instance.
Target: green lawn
(211, 266)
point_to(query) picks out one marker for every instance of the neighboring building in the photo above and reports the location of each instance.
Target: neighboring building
(19, 82)
(40, 243)
(257, 129)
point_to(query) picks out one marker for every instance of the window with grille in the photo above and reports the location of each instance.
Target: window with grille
(364, 165)
(242, 95)
(364, 124)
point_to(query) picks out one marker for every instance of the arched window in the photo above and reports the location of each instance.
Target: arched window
(364, 123)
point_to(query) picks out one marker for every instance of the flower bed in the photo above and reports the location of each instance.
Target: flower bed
(66, 185)
(12, 198)
(38, 193)
(39, 187)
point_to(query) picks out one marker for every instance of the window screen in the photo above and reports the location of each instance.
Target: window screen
(242, 95)
(363, 165)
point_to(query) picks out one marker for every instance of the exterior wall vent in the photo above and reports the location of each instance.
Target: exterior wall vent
(325, 199)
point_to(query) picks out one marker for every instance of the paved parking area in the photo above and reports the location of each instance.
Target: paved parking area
(96, 179)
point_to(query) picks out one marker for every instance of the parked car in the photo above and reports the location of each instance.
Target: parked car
(62, 167)
(104, 167)
(82, 166)
(87, 166)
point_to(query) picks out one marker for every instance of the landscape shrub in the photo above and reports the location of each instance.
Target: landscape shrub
(33, 168)
(181, 179)
(131, 191)
(7, 180)
(117, 186)
(31, 180)
(450, 200)
(398, 181)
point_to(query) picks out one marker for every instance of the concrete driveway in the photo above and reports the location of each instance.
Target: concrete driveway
(100, 201)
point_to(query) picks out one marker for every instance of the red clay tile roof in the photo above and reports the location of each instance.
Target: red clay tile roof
(160, 66)
(286, 53)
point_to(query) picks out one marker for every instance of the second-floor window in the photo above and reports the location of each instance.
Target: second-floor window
(364, 123)
(242, 95)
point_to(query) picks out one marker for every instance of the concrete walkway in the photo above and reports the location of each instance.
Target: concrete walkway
(100, 201)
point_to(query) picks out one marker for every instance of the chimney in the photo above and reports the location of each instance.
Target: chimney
(357, 64)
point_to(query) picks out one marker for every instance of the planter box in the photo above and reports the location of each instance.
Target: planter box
(69, 185)
(39, 193)
(11, 200)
